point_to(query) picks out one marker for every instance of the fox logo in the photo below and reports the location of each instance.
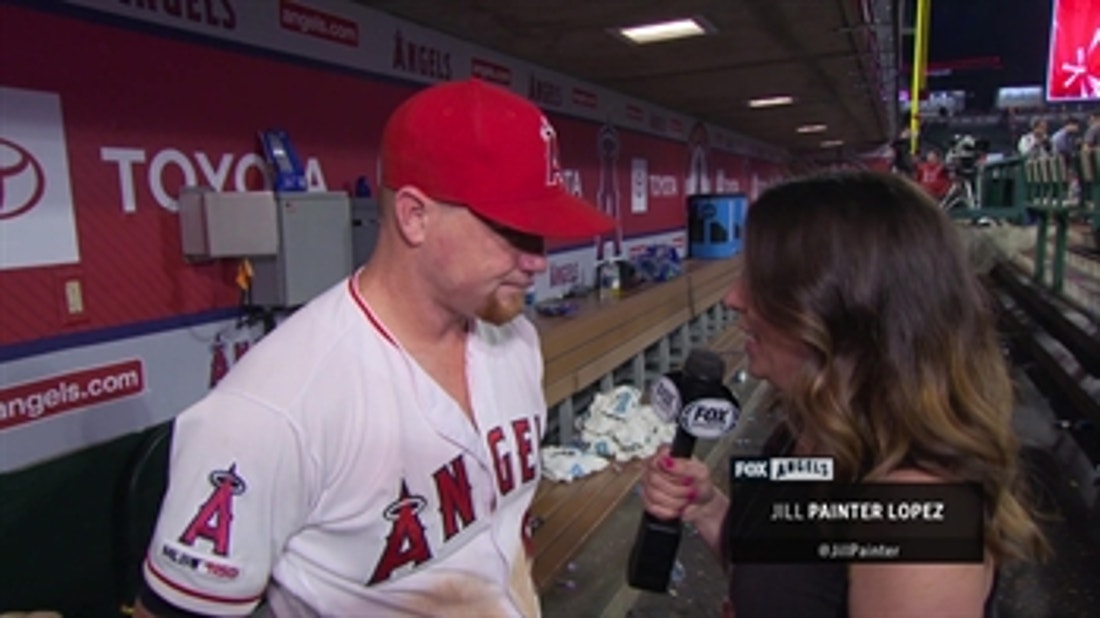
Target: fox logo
(215, 515)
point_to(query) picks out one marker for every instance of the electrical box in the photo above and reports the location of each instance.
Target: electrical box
(364, 228)
(216, 224)
(315, 252)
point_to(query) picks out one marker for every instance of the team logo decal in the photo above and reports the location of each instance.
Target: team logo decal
(215, 515)
(407, 541)
(553, 162)
(607, 194)
(23, 166)
(219, 362)
(698, 179)
(37, 220)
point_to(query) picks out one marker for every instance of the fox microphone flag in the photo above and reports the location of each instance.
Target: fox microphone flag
(702, 407)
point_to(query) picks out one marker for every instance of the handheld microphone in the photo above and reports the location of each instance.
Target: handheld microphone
(703, 408)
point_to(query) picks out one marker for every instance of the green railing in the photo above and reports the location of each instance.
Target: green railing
(1052, 201)
(1002, 192)
(1041, 191)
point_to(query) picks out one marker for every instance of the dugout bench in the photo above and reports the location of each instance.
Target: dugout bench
(629, 340)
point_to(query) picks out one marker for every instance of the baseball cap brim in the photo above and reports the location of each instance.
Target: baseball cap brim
(557, 216)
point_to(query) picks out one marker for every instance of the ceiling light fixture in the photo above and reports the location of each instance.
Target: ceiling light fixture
(811, 128)
(770, 101)
(832, 143)
(666, 30)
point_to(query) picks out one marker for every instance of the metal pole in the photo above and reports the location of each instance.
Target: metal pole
(920, 65)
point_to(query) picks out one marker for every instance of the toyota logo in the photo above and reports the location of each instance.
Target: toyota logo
(22, 181)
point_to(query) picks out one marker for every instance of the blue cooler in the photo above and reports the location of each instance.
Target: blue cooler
(714, 224)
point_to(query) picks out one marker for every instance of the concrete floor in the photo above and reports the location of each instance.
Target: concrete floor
(594, 583)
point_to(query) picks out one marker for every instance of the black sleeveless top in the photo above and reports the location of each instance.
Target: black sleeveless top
(818, 590)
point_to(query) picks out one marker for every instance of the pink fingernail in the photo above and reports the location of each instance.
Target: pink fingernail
(692, 496)
(666, 463)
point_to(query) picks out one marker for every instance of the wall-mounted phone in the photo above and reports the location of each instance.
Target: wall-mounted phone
(289, 175)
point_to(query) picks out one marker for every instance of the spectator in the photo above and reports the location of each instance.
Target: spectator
(1064, 142)
(903, 160)
(1091, 141)
(932, 174)
(1035, 143)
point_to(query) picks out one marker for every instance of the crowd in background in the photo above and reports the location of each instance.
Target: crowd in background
(931, 165)
(1067, 140)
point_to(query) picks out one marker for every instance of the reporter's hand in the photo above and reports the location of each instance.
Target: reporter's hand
(675, 488)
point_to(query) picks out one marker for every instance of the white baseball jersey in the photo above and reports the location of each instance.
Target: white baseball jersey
(330, 463)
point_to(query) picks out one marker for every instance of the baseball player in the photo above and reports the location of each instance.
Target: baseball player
(376, 454)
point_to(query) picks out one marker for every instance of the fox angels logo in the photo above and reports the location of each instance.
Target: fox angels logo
(214, 516)
(801, 469)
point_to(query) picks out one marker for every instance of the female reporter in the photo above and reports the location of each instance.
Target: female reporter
(860, 309)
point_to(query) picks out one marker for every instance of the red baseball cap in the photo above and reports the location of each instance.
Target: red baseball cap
(471, 143)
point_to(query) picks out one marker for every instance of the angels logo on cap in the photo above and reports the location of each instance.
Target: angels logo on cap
(472, 143)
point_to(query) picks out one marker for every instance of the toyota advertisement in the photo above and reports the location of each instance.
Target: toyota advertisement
(105, 328)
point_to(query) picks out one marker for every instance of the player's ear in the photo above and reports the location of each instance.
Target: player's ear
(410, 211)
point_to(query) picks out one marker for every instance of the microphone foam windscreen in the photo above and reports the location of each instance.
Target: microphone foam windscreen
(705, 365)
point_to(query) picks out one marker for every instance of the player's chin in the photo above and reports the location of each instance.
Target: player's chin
(501, 308)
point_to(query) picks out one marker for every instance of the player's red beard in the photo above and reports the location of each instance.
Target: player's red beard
(502, 307)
